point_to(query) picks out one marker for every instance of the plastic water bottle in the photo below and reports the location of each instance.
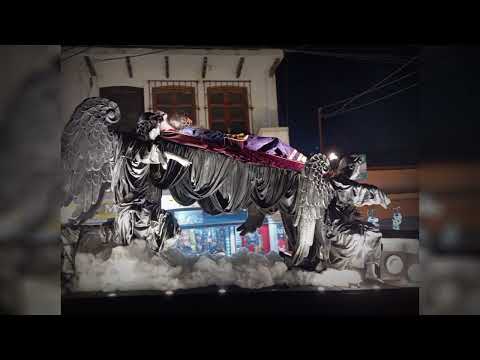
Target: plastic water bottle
(372, 219)
(397, 218)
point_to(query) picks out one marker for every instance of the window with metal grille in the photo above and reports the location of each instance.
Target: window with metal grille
(228, 109)
(174, 97)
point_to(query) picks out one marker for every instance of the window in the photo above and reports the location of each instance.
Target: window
(228, 109)
(171, 99)
(130, 101)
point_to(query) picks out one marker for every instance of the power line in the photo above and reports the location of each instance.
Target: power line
(371, 102)
(379, 83)
(115, 58)
(371, 90)
(67, 48)
(132, 56)
(352, 56)
(347, 55)
(77, 53)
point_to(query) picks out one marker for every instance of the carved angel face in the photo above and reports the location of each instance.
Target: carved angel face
(112, 113)
(148, 126)
(350, 166)
(154, 133)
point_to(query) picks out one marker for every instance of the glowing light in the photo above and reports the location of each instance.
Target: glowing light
(169, 292)
(332, 156)
(112, 295)
(321, 289)
(222, 291)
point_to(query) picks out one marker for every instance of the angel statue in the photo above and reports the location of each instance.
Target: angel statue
(331, 232)
(96, 156)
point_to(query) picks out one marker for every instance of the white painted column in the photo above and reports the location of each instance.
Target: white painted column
(233, 241)
(272, 232)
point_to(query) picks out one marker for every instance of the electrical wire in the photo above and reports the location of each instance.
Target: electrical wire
(131, 56)
(349, 55)
(67, 48)
(115, 58)
(378, 83)
(371, 102)
(352, 56)
(371, 90)
(77, 53)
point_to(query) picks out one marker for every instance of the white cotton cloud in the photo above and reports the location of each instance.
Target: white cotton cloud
(135, 267)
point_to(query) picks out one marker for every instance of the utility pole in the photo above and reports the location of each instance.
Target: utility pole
(320, 128)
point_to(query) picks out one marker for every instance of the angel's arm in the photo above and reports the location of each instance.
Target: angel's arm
(357, 194)
(155, 156)
(179, 159)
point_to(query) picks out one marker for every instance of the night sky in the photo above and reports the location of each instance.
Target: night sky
(386, 131)
(449, 98)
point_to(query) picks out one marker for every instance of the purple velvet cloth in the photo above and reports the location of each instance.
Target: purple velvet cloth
(268, 145)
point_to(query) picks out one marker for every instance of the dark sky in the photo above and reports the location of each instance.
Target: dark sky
(449, 98)
(386, 131)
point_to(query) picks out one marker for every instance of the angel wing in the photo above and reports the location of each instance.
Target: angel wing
(88, 143)
(315, 193)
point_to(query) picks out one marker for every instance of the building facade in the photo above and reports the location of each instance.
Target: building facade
(229, 90)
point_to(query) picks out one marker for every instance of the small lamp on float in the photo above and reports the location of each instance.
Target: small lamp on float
(333, 157)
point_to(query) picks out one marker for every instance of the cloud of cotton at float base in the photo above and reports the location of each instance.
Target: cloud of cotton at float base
(134, 267)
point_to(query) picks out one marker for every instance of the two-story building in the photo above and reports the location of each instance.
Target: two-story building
(224, 89)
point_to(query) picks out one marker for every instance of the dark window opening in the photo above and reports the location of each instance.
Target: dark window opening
(175, 99)
(131, 102)
(228, 109)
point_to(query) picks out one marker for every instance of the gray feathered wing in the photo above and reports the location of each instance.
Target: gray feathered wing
(89, 142)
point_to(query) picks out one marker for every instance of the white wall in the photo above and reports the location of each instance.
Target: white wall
(184, 65)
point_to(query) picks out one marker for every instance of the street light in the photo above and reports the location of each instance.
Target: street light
(332, 156)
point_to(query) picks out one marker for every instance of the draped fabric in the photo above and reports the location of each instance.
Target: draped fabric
(223, 184)
(137, 188)
(145, 220)
(129, 177)
(317, 211)
(163, 179)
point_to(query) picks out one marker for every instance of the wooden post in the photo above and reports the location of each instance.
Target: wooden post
(167, 68)
(240, 66)
(204, 67)
(90, 66)
(274, 66)
(129, 66)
